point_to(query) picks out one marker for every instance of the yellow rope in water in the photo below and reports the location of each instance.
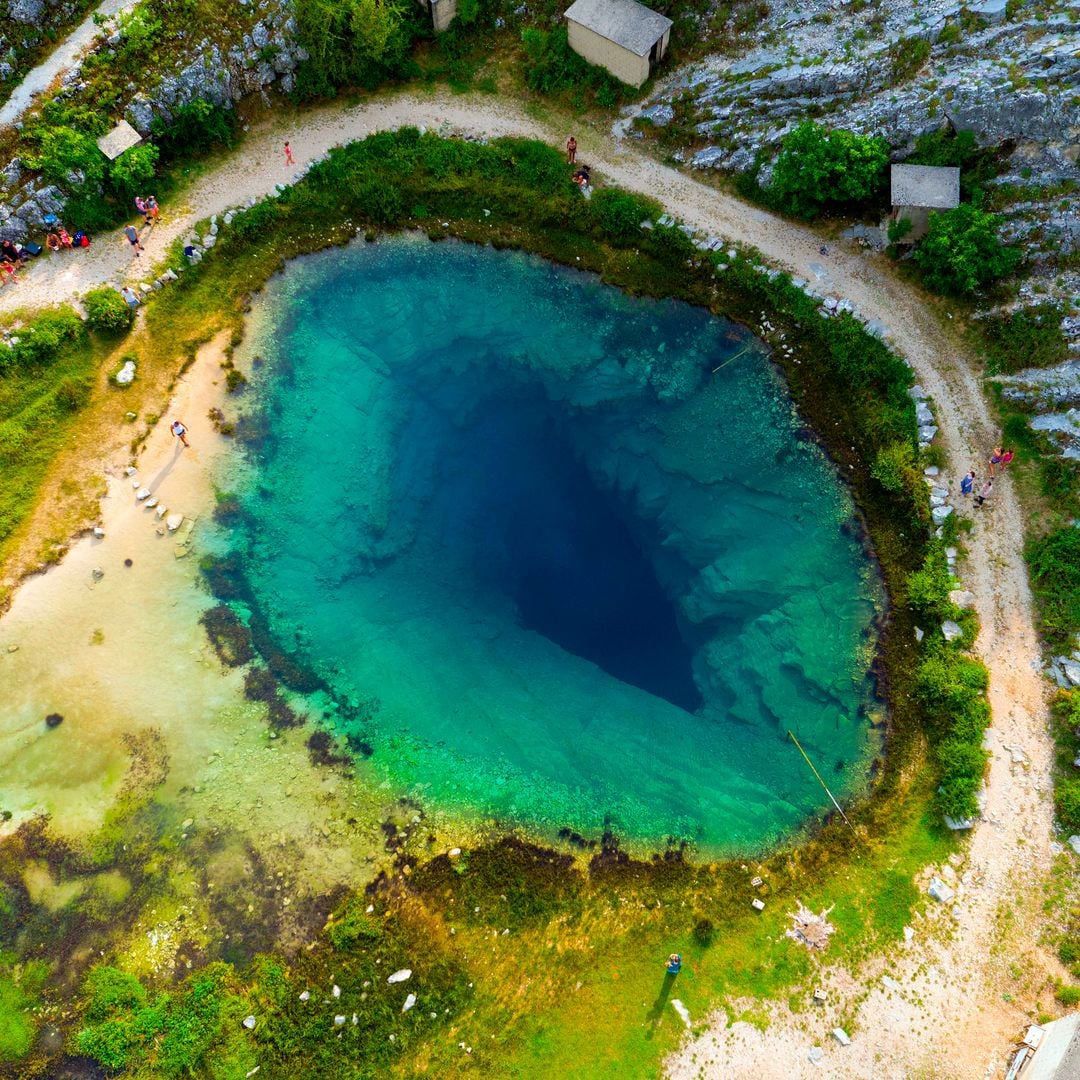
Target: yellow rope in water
(791, 735)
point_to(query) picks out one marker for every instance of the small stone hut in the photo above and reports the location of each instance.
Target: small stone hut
(623, 36)
(441, 13)
(122, 137)
(918, 189)
(1057, 1052)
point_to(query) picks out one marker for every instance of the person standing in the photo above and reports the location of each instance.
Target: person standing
(132, 235)
(674, 963)
(152, 210)
(571, 151)
(130, 297)
(1006, 457)
(967, 483)
(984, 492)
(995, 459)
(288, 155)
(178, 429)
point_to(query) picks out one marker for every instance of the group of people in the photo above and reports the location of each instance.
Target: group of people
(581, 172)
(1000, 458)
(60, 240)
(147, 206)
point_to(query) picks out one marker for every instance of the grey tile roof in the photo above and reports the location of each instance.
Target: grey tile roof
(933, 186)
(122, 137)
(627, 23)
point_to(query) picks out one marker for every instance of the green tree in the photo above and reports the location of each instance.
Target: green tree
(63, 150)
(107, 310)
(961, 253)
(133, 170)
(818, 168)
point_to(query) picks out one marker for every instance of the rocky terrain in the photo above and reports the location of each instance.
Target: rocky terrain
(1008, 72)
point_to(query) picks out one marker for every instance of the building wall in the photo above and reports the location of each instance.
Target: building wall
(442, 12)
(919, 216)
(622, 63)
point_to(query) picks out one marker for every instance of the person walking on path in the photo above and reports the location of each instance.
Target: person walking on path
(995, 459)
(984, 492)
(152, 209)
(967, 483)
(571, 151)
(178, 429)
(288, 155)
(132, 235)
(130, 297)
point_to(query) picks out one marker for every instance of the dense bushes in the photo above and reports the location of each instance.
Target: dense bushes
(1054, 561)
(352, 43)
(818, 168)
(621, 213)
(1065, 716)
(195, 128)
(1028, 337)
(962, 254)
(39, 341)
(977, 165)
(552, 67)
(107, 310)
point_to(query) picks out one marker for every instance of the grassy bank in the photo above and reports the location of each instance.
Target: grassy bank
(541, 962)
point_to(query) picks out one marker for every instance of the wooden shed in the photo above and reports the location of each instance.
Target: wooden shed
(918, 189)
(623, 36)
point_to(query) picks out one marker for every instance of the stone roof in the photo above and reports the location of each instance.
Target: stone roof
(934, 186)
(1058, 1055)
(122, 137)
(627, 23)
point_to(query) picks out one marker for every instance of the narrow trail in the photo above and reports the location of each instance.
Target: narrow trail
(65, 54)
(945, 987)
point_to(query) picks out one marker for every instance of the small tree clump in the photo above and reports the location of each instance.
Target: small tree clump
(108, 311)
(961, 253)
(818, 168)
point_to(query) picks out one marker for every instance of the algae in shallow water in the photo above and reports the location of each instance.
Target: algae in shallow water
(589, 581)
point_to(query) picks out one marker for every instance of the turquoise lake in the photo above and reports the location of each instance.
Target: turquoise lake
(590, 581)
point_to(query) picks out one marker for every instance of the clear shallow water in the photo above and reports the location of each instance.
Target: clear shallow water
(588, 581)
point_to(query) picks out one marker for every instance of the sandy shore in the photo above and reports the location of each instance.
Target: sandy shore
(118, 652)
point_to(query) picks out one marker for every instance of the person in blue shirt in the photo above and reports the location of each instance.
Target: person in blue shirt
(674, 964)
(967, 483)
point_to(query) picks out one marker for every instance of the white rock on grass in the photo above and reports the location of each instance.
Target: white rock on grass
(400, 976)
(952, 630)
(962, 598)
(940, 513)
(249, 1022)
(841, 1036)
(940, 891)
(410, 1001)
(126, 375)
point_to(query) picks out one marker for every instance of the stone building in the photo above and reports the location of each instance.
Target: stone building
(442, 12)
(623, 36)
(918, 189)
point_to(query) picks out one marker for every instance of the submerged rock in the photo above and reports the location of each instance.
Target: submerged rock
(53, 720)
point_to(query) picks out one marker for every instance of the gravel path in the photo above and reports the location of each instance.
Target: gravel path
(57, 62)
(946, 989)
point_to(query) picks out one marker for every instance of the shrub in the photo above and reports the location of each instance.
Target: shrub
(1067, 802)
(351, 43)
(63, 150)
(908, 55)
(1029, 337)
(958, 149)
(540, 167)
(46, 335)
(962, 254)
(620, 214)
(895, 467)
(929, 586)
(819, 168)
(1054, 561)
(351, 924)
(133, 170)
(551, 67)
(1068, 995)
(108, 311)
(195, 128)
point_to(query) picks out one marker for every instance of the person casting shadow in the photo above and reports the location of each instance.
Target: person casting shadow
(671, 970)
